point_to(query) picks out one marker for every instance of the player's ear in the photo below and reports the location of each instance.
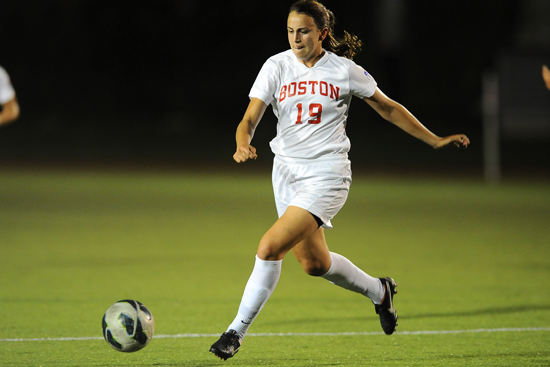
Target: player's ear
(324, 34)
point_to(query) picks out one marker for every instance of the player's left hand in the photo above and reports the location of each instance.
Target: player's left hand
(459, 141)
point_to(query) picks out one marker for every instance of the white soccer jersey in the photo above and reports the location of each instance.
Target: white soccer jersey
(6, 89)
(311, 104)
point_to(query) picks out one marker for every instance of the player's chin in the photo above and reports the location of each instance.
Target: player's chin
(299, 52)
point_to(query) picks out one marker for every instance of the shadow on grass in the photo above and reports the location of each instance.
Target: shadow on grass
(404, 315)
(486, 311)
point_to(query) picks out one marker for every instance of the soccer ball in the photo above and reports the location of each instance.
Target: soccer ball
(128, 326)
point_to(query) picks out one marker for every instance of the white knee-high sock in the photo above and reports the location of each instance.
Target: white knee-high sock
(259, 288)
(345, 274)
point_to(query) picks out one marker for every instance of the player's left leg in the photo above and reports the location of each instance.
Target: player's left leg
(316, 259)
(313, 254)
(345, 274)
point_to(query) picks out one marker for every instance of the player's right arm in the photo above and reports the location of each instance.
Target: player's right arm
(245, 130)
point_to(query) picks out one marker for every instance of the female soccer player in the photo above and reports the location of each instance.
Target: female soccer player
(310, 89)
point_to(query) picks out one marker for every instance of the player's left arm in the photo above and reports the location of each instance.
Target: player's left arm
(9, 112)
(398, 115)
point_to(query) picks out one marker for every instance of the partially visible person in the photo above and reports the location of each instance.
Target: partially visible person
(546, 76)
(9, 110)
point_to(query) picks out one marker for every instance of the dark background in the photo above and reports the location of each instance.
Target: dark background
(166, 82)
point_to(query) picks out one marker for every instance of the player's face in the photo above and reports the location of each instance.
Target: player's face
(305, 38)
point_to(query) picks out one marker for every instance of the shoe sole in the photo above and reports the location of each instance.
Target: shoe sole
(392, 292)
(221, 355)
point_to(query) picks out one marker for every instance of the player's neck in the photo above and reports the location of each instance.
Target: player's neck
(311, 62)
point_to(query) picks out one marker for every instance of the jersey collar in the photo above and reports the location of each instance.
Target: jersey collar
(321, 61)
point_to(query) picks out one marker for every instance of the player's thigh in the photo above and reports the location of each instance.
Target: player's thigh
(313, 253)
(290, 229)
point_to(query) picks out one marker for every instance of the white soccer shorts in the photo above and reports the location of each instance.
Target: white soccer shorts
(319, 186)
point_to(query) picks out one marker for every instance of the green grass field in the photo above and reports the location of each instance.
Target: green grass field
(472, 262)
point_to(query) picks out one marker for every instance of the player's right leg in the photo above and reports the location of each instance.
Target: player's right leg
(293, 226)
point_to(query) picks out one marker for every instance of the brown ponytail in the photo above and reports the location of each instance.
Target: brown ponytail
(348, 46)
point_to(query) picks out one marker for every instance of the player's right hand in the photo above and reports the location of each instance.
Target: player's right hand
(244, 153)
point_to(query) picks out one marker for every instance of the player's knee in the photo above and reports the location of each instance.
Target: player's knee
(314, 268)
(270, 249)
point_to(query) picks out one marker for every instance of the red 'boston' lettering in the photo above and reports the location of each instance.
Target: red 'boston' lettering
(323, 88)
(292, 89)
(282, 95)
(313, 84)
(317, 87)
(334, 92)
(302, 88)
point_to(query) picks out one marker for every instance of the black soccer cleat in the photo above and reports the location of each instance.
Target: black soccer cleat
(227, 346)
(388, 316)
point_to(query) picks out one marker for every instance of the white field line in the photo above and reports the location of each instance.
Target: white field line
(421, 332)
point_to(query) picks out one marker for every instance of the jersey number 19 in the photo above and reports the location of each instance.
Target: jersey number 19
(315, 110)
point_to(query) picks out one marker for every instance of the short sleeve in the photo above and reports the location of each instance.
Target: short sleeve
(266, 83)
(6, 89)
(362, 84)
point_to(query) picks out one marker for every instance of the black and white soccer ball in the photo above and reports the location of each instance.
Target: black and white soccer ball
(128, 326)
